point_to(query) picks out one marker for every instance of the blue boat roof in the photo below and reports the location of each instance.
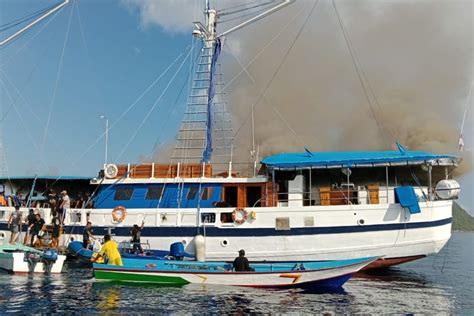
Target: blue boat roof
(355, 159)
(66, 178)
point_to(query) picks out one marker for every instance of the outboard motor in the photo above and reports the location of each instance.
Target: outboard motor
(48, 258)
(32, 258)
(177, 251)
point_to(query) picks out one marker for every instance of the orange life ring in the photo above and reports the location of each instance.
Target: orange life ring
(119, 213)
(239, 216)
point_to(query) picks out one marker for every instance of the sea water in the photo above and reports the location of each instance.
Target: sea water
(438, 284)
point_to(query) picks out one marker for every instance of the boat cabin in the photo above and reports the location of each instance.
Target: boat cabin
(180, 186)
(339, 178)
(285, 180)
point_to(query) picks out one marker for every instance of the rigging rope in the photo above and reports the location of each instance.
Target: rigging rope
(246, 9)
(265, 97)
(356, 66)
(58, 76)
(22, 121)
(244, 15)
(132, 105)
(81, 156)
(154, 105)
(236, 6)
(281, 63)
(29, 40)
(31, 16)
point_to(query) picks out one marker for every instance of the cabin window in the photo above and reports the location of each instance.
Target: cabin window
(208, 217)
(122, 194)
(226, 218)
(154, 193)
(192, 193)
(206, 194)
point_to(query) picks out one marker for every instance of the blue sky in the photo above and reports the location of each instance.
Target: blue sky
(113, 51)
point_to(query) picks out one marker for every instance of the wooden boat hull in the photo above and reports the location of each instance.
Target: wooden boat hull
(330, 274)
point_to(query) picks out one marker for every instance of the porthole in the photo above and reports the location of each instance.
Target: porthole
(2, 235)
(360, 222)
(224, 243)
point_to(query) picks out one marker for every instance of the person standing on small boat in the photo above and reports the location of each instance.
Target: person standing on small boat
(56, 223)
(109, 252)
(241, 263)
(136, 234)
(30, 219)
(14, 224)
(87, 234)
(37, 228)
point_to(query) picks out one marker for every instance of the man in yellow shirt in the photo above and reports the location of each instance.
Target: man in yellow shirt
(110, 251)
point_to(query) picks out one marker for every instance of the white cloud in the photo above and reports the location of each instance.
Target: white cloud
(174, 16)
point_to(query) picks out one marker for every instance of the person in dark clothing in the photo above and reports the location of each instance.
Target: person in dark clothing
(37, 227)
(241, 263)
(136, 234)
(87, 234)
(56, 222)
(30, 221)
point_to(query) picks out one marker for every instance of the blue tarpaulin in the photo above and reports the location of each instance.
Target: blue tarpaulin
(206, 155)
(407, 198)
(350, 158)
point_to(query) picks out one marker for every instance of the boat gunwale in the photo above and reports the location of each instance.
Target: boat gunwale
(110, 269)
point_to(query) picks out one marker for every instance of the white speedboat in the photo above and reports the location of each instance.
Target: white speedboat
(18, 258)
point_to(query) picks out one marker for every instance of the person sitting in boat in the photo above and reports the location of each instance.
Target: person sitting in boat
(14, 224)
(241, 263)
(109, 252)
(87, 234)
(37, 230)
(136, 234)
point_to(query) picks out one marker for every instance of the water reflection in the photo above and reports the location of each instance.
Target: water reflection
(441, 284)
(109, 299)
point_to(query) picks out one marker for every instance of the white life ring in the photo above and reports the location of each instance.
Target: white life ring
(119, 213)
(111, 171)
(239, 216)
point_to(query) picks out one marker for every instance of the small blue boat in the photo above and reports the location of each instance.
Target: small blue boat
(306, 275)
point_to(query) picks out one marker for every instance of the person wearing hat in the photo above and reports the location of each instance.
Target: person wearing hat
(14, 224)
(65, 204)
(241, 263)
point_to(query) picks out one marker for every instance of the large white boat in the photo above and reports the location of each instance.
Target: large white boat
(306, 206)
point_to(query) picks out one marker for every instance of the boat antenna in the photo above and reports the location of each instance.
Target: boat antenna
(252, 152)
(36, 21)
(461, 141)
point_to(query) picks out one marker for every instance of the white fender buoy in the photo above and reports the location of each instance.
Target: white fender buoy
(200, 247)
(447, 189)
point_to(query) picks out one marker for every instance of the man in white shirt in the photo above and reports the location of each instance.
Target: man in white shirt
(65, 204)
